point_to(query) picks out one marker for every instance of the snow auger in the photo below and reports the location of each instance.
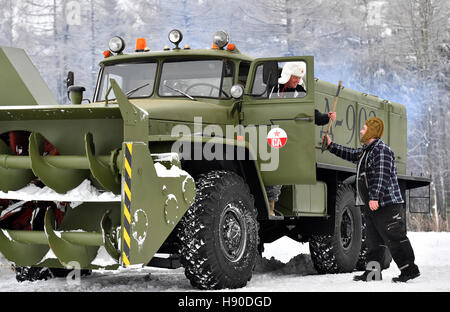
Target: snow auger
(154, 194)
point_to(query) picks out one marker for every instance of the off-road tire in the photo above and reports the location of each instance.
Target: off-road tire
(32, 274)
(339, 252)
(59, 272)
(211, 258)
(42, 273)
(362, 261)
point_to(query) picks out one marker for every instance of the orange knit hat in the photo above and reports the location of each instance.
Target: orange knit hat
(375, 129)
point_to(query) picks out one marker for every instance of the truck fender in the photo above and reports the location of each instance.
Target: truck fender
(350, 180)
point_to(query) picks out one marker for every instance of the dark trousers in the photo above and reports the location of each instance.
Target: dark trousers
(385, 227)
(273, 192)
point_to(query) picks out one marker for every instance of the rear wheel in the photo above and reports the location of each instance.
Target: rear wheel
(218, 235)
(339, 252)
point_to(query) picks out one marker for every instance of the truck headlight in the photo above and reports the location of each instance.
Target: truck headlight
(237, 91)
(116, 44)
(221, 39)
(175, 36)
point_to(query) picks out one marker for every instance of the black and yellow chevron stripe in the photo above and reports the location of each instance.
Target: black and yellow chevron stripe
(127, 204)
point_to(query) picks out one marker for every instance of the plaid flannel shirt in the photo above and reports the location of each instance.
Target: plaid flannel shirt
(381, 170)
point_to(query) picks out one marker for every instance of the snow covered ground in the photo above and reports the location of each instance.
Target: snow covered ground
(290, 270)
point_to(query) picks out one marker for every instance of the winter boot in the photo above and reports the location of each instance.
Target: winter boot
(408, 273)
(365, 277)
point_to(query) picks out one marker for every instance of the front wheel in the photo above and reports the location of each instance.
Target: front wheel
(32, 274)
(339, 252)
(218, 235)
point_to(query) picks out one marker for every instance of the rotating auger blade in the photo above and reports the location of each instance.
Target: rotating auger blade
(59, 179)
(100, 170)
(12, 179)
(61, 173)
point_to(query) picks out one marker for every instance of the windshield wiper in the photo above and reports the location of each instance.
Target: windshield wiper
(182, 92)
(136, 89)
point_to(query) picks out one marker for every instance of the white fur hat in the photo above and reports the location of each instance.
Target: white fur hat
(292, 68)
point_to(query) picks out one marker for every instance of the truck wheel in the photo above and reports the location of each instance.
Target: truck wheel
(41, 273)
(32, 274)
(218, 235)
(338, 253)
(362, 261)
(59, 272)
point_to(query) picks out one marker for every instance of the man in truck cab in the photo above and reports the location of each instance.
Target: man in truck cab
(292, 85)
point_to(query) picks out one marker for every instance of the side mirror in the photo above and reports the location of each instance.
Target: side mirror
(70, 80)
(270, 73)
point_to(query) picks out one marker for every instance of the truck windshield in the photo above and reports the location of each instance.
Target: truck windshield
(135, 79)
(200, 78)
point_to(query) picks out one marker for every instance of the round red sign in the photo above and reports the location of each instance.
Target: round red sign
(277, 137)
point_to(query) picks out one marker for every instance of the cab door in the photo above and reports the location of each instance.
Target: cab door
(296, 163)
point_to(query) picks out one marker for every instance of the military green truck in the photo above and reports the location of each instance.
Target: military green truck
(167, 165)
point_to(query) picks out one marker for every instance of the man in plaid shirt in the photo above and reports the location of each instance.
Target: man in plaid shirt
(378, 190)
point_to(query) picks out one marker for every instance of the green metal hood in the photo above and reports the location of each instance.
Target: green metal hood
(185, 110)
(211, 111)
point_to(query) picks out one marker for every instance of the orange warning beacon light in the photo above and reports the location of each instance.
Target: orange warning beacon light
(140, 44)
(231, 47)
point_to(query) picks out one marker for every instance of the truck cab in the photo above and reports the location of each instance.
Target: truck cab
(224, 88)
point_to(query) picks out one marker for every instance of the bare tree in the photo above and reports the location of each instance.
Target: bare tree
(420, 50)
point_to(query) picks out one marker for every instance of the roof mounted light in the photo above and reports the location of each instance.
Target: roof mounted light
(231, 47)
(175, 36)
(221, 39)
(141, 44)
(116, 45)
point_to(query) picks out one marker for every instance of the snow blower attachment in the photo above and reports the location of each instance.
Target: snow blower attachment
(142, 197)
(20, 81)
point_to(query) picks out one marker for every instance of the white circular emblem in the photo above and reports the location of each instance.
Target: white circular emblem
(277, 137)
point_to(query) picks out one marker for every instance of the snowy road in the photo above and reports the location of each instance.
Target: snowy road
(291, 273)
